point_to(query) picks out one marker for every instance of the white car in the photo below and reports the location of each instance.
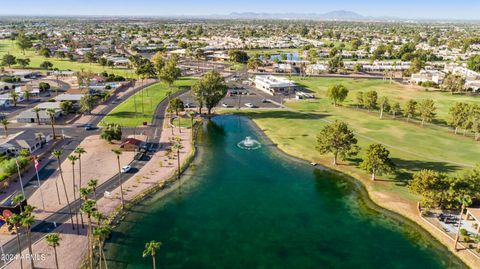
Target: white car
(250, 105)
(225, 105)
(127, 168)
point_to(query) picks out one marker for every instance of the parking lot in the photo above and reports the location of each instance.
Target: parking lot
(242, 96)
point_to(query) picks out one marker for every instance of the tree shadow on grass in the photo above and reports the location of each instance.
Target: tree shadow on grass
(406, 168)
(125, 114)
(283, 114)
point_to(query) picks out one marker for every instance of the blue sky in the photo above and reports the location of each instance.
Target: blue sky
(448, 9)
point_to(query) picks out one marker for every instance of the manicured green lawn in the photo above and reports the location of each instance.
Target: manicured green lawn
(394, 91)
(125, 113)
(185, 122)
(8, 46)
(412, 147)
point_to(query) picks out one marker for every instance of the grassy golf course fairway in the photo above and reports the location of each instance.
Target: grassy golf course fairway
(412, 147)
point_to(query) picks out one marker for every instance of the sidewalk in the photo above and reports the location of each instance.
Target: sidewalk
(160, 168)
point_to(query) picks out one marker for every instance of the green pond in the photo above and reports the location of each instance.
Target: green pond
(242, 208)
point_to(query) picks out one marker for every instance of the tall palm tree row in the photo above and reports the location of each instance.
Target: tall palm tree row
(15, 221)
(151, 250)
(73, 159)
(53, 240)
(101, 234)
(88, 207)
(177, 146)
(27, 221)
(118, 152)
(37, 114)
(465, 200)
(17, 199)
(57, 154)
(5, 124)
(79, 151)
(92, 183)
(51, 113)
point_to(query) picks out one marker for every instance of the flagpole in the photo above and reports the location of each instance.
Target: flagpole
(20, 177)
(38, 180)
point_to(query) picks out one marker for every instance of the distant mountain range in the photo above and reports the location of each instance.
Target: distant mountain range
(333, 15)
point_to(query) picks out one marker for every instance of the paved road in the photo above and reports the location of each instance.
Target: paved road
(77, 134)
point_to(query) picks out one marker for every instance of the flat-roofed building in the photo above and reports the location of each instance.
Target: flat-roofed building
(274, 85)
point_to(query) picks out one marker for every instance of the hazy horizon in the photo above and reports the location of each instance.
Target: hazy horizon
(407, 9)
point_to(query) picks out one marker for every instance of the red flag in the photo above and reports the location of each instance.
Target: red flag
(37, 165)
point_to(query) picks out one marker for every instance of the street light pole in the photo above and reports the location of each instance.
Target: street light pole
(39, 187)
(20, 177)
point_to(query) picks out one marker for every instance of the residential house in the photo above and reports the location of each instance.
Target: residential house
(131, 144)
(30, 140)
(428, 75)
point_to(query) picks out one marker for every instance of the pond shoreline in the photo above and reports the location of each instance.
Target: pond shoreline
(377, 203)
(365, 194)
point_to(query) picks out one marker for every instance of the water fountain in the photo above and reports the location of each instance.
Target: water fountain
(249, 144)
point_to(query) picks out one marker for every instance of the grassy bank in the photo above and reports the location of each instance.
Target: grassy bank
(412, 147)
(128, 116)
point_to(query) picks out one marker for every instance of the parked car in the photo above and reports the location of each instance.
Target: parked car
(127, 168)
(250, 105)
(89, 127)
(225, 105)
(188, 105)
(140, 156)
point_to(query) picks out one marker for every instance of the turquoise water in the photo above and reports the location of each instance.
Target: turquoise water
(258, 209)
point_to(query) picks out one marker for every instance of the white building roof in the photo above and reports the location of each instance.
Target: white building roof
(275, 82)
(69, 97)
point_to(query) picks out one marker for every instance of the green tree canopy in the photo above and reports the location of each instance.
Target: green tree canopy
(377, 160)
(426, 110)
(23, 42)
(453, 83)
(210, 89)
(338, 139)
(175, 105)
(337, 93)
(8, 60)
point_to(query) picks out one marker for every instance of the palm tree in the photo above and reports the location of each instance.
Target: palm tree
(27, 95)
(118, 153)
(151, 250)
(53, 240)
(57, 154)
(101, 233)
(465, 200)
(51, 112)
(37, 110)
(88, 207)
(14, 97)
(15, 220)
(192, 117)
(84, 192)
(79, 151)
(17, 199)
(73, 159)
(5, 124)
(28, 221)
(92, 183)
(177, 146)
